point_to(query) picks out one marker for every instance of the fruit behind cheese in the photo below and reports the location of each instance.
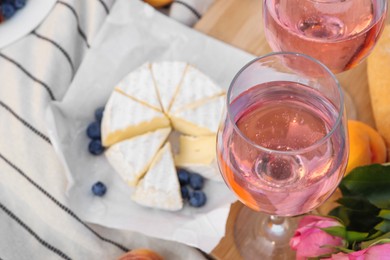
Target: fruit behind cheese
(99, 189)
(93, 130)
(197, 198)
(95, 147)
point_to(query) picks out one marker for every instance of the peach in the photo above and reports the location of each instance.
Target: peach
(158, 3)
(141, 254)
(366, 145)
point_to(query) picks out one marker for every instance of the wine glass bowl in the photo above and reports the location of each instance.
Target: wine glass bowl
(282, 147)
(339, 33)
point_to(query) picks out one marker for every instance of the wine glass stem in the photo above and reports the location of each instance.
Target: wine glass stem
(277, 229)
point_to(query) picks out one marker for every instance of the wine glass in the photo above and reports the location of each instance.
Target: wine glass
(339, 33)
(282, 147)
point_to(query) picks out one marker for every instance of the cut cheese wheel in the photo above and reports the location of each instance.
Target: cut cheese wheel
(124, 118)
(132, 157)
(200, 120)
(194, 88)
(167, 76)
(139, 85)
(160, 187)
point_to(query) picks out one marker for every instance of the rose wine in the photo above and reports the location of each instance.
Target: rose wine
(340, 33)
(279, 161)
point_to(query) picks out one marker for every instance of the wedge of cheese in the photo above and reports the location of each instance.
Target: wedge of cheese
(124, 118)
(131, 158)
(160, 187)
(198, 154)
(139, 85)
(202, 119)
(194, 88)
(168, 76)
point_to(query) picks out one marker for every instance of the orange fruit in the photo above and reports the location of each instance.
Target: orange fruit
(366, 145)
(158, 3)
(141, 254)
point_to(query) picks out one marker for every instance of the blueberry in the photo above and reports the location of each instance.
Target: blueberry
(184, 192)
(7, 10)
(197, 198)
(184, 176)
(196, 181)
(99, 189)
(93, 131)
(95, 147)
(19, 3)
(99, 114)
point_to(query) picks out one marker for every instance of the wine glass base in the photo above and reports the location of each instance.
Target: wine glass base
(255, 238)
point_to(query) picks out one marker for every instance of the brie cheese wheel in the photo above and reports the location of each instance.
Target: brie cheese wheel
(198, 154)
(194, 87)
(160, 187)
(131, 158)
(168, 76)
(139, 85)
(203, 119)
(124, 118)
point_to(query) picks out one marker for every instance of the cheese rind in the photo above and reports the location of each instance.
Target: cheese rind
(167, 76)
(203, 119)
(131, 158)
(124, 118)
(140, 86)
(195, 87)
(160, 187)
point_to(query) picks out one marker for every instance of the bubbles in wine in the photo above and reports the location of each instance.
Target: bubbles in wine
(322, 26)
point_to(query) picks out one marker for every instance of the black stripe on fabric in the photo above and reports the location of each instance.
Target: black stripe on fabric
(104, 6)
(61, 206)
(25, 123)
(82, 34)
(58, 47)
(32, 233)
(196, 13)
(29, 75)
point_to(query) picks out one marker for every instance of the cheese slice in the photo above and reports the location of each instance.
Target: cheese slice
(160, 186)
(139, 85)
(131, 158)
(167, 76)
(195, 87)
(124, 118)
(203, 119)
(198, 154)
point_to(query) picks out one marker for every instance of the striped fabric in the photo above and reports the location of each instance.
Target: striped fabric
(35, 221)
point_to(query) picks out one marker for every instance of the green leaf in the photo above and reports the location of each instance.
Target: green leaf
(353, 236)
(357, 213)
(383, 226)
(350, 236)
(338, 231)
(371, 182)
(376, 238)
(385, 214)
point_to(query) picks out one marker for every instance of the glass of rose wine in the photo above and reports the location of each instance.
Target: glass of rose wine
(282, 147)
(339, 33)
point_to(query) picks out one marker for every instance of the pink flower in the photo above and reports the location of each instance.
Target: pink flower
(376, 252)
(310, 241)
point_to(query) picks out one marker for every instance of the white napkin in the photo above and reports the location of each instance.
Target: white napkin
(189, 12)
